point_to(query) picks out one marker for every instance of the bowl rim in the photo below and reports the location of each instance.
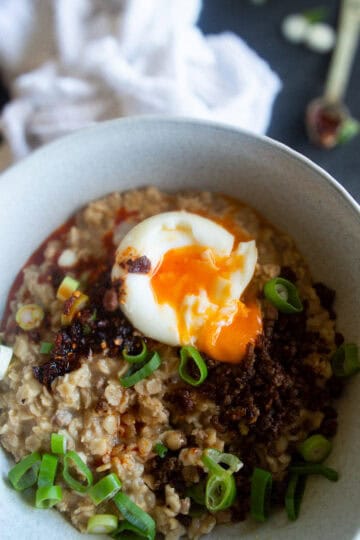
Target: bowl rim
(336, 187)
(316, 173)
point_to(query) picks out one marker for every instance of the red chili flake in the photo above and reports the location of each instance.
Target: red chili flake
(68, 304)
(108, 242)
(141, 265)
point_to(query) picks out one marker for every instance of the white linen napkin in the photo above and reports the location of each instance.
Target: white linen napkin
(71, 63)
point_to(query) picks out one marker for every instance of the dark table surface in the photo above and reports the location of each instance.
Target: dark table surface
(302, 72)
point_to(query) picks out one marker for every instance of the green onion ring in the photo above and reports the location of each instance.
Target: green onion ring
(185, 354)
(283, 294)
(345, 361)
(136, 358)
(220, 492)
(102, 524)
(25, 473)
(46, 347)
(82, 469)
(48, 496)
(58, 443)
(140, 521)
(315, 449)
(261, 485)
(160, 449)
(316, 468)
(124, 527)
(131, 377)
(47, 470)
(294, 495)
(29, 316)
(66, 288)
(212, 460)
(104, 489)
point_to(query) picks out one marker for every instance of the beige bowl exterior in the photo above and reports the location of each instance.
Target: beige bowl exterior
(41, 192)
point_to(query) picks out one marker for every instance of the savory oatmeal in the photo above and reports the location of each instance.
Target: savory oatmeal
(187, 425)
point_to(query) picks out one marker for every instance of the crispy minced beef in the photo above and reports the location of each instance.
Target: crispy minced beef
(167, 471)
(95, 329)
(326, 297)
(184, 398)
(288, 273)
(269, 387)
(329, 424)
(265, 392)
(241, 506)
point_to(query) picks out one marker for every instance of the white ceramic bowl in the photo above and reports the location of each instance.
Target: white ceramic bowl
(38, 194)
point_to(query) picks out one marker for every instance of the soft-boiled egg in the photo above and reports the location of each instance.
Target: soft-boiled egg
(182, 278)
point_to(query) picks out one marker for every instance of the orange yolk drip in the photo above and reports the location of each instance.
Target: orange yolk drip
(187, 271)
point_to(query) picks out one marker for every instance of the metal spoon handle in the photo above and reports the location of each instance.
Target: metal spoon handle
(344, 53)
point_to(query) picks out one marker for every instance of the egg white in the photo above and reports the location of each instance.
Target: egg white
(152, 238)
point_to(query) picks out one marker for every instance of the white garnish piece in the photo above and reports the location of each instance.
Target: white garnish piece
(5, 358)
(320, 37)
(67, 259)
(295, 27)
(29, 316)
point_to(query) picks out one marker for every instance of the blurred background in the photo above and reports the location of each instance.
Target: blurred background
(226, 79)
(302, 71)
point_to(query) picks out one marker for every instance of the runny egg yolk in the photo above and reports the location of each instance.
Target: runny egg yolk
(227, 325)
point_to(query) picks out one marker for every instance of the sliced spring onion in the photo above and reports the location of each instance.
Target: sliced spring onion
(316, 468)
(72, 306)
(315, 15)
(315, 449)
(58, 443)
(197, 492)
(213, 459)
(294, 495)
(86, 329)
(345, 361)
(283, 294)
(127, 531)
(72, 459)
(25, 473)
(29, 316)
(66, 288)
(104, 489)
(348, 130)
(102, 524)
(48, 496)
(135, 358)
(46, 347)
(131, 377)
(220, 492)
(141, 522)
(261, 485)
(6, 354)
(160, 449)
(187, 353)
(47, 470)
